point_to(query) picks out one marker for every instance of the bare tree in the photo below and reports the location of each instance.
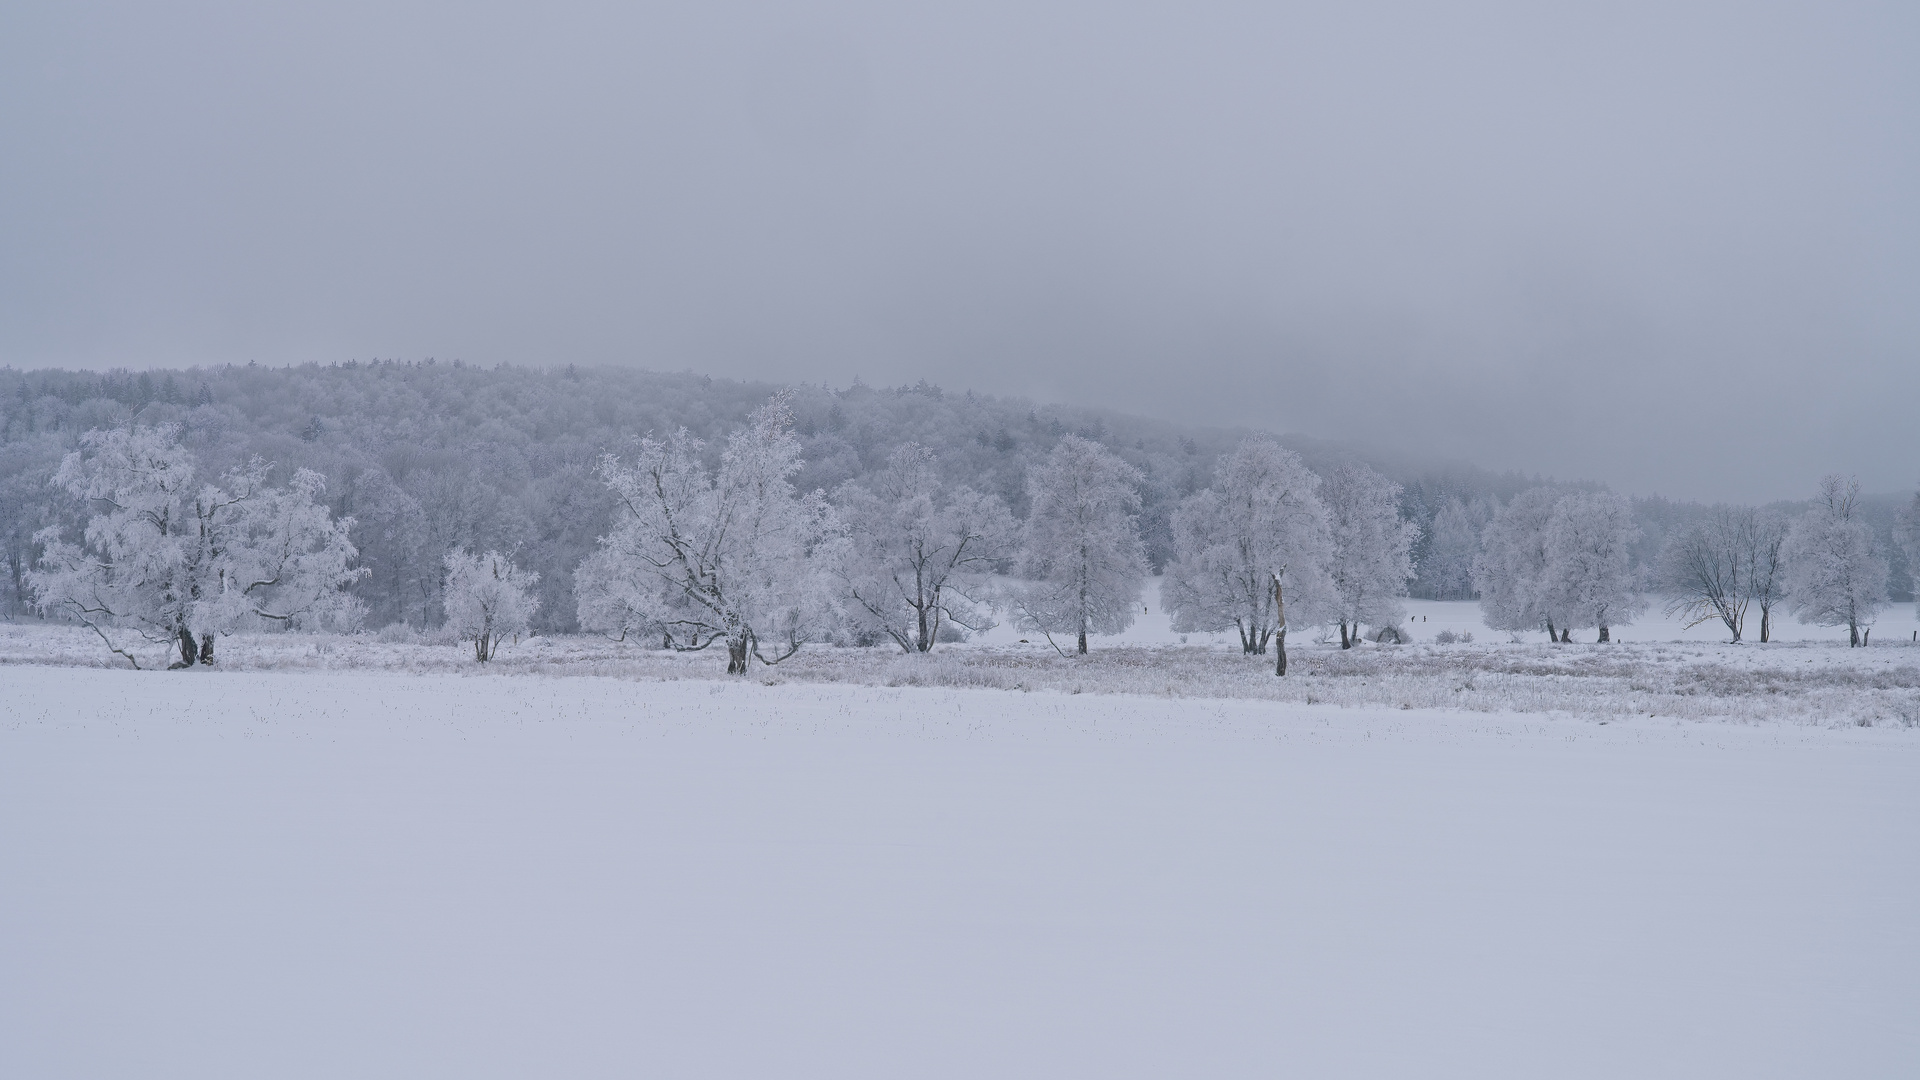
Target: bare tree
(1713, 568)
(1767, 565)
(919, 554)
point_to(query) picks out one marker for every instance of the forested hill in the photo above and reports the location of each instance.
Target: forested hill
(426, 455)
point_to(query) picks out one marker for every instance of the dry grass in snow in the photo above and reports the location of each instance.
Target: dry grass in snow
(1797, 682)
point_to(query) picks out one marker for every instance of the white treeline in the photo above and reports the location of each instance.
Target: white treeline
(1823, 564)
(718, 545)
(173, 561)
(488, 600)
(1559, 562)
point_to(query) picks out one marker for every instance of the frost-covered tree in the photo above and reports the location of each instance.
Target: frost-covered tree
(1447, 570)
(1372, 547)
(1588, 579)
(1261, 518)
(176, 562)
(487, 600)
(1906, 531)
(1767, 574)
(919, 554)
(1834, 575)
(1081, 550)
(698, 556)
(1510, 571)
(1719, 567)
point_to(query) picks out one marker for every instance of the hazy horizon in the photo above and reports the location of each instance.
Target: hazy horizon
(1671, 248)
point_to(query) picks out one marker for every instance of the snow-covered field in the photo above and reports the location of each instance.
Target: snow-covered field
(335, 873)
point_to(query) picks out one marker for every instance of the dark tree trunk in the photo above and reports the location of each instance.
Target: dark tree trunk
(1082, 647)
(206, 649)
(1853, 635)
(1603, 635)
(737, 657)
(189, 652)
(1280, 653)
(1766, 624)
(1345, 641)
(1566, 636)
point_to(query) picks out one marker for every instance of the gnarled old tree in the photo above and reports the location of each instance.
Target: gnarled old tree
(171, 562)
(1262, 516)
(698, 555)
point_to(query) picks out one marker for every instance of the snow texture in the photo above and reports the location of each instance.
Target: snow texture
(324, 874)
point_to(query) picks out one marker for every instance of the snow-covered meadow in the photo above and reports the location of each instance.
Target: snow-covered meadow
(326, 873)
(1655, 667)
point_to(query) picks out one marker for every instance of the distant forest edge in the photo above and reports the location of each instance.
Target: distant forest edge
(428, 457)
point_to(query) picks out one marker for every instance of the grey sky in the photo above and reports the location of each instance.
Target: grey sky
(1674, 246)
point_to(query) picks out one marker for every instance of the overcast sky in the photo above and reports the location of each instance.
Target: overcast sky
(1674, 246)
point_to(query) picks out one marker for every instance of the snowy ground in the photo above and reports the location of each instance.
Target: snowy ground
(1818, 681)
(334, 873)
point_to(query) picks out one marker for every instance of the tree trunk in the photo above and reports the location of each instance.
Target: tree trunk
(1566, 636)
(1345, 642)
(737, 656)
(1280, 652)
(1603, 635)
(1853, 634)
(1552, 634)
(1766, 624)
(206, 649)
(1083, 639)
(189, 652)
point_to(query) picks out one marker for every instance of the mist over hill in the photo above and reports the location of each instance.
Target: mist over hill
(427, 455)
